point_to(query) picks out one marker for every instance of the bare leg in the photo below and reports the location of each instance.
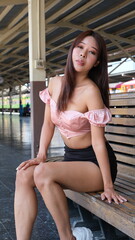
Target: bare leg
(25, 205)
(51, 178)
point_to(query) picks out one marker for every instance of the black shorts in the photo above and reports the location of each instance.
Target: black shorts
(87, 154)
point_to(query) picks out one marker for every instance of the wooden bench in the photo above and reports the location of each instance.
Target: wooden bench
(121, 135)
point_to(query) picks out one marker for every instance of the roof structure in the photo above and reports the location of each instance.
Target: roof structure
(65, 19)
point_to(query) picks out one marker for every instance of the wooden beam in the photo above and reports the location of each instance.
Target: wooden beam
(82, 9)
(62, 10)
(5, 12)
(109, 12)
(12, 2)
(50, 4)
(13, 30)
(116, 37)
(117, 20)
(18, 17)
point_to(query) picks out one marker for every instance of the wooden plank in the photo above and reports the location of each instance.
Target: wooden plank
(130, 189)
(127, 170)
(122, 102)
(123, 149)
(127, 208)
(122, 130)
(118, 138)
(125, 183)
(122, 95)
(125, 158)
(123, 111)
(123, 121)
(126, 178)
(108, 213)
(12, 2)
(125, 193)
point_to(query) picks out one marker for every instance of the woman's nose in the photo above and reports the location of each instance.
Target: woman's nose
(83, 54)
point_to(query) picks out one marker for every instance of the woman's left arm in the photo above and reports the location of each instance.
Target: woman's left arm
(99, 146)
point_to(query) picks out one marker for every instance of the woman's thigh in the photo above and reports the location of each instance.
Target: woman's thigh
(78, 176)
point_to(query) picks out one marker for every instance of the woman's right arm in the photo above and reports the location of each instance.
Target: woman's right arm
(46, 134)
(45, 139)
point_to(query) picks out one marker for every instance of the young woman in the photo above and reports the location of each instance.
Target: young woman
(78, 104)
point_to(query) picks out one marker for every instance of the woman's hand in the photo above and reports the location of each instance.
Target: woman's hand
(111, 195)
(30, 162)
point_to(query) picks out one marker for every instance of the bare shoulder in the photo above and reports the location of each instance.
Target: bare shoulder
(54, 83)
(93, 97)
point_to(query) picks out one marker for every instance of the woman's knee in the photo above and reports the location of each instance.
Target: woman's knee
(43, 175)
(24, 177)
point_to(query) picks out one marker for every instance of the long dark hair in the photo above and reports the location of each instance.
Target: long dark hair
(97, 74)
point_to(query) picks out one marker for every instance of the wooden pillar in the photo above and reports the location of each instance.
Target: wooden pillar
(20, 101)
(2, 101)
(10, 100)
(36, 67)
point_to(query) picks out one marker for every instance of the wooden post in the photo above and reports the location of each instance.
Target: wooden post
(2, 101)
(37, 68)
(10, 100)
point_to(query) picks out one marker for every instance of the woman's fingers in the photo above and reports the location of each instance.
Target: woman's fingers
(113, 197)
(27, 164)
(21, 165)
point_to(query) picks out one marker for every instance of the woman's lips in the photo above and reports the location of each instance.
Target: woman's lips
(80, 62)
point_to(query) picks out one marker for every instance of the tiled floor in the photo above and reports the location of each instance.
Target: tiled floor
(15, 147)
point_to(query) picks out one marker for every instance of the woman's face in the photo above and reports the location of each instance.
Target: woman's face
(85, 55)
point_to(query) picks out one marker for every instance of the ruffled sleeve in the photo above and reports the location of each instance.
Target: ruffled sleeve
(45, 96)
(99, 117)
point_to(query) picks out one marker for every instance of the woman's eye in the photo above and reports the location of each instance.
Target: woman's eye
(91, 52)
(80, 47)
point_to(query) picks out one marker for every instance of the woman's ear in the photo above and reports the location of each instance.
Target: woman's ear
(96, 64)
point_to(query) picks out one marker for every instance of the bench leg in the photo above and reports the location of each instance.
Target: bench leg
(88, 220)
(108, 230)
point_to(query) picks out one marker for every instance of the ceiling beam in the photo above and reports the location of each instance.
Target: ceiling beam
(50, 4)
(116, 37)
(82, 9)
(62, 10)
(12, 2)
(12, 30)
(112, 10)
(117, 20)
(18, 17)
(123, 50)
(5, 12)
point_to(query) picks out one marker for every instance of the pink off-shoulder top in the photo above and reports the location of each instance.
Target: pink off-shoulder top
(73, 123)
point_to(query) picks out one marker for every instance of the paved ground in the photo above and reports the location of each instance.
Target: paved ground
(14, 148)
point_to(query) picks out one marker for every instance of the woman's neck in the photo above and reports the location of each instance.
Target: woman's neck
(81, 79)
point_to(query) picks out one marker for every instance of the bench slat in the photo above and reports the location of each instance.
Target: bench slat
(124, 191)
(122, 96)
(127, 179)
(127, 170)
(123, 149)
(125, 187)
(125, 159)
(123, 111)
(121, 130)
(119, 138)
(125, 121)
(122, 102)
(125, 183)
